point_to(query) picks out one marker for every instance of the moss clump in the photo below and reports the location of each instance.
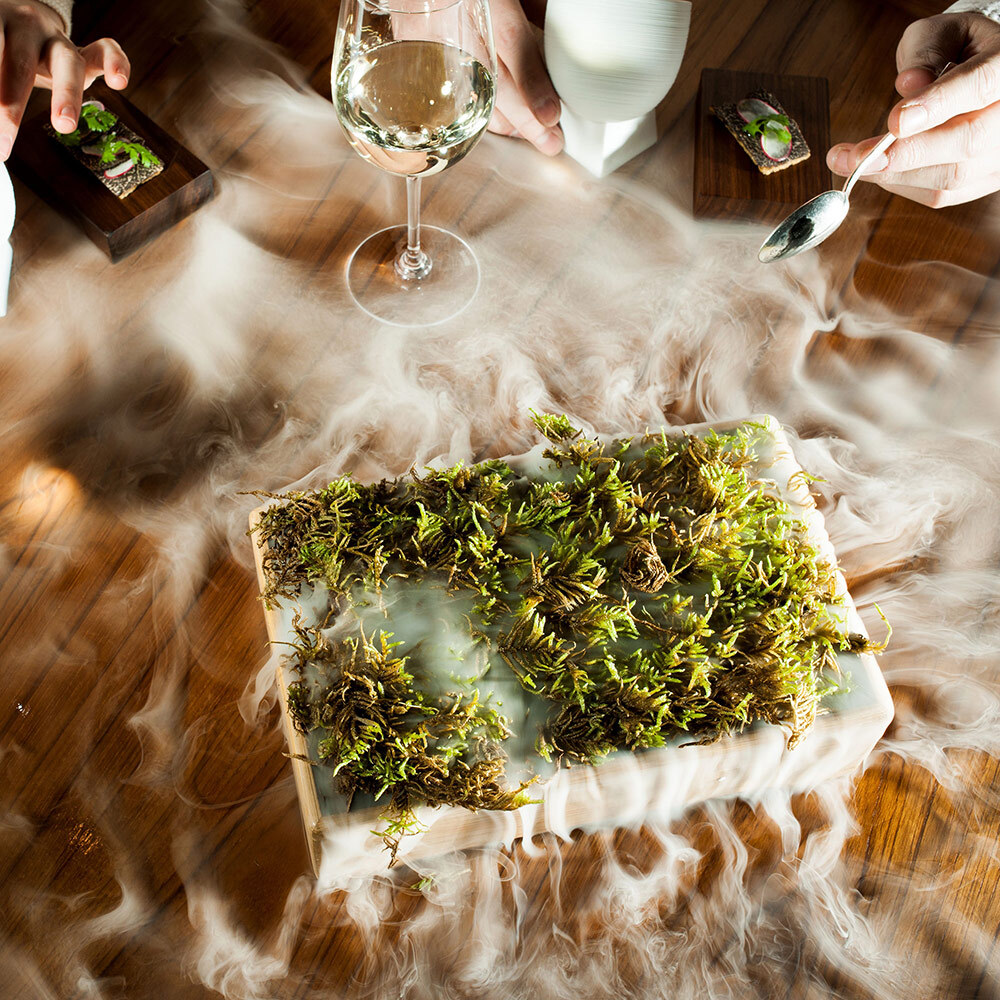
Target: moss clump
(639, 589)
(385, 736)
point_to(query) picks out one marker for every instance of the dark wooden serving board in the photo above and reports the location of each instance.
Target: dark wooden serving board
(726, 182)
(117, 225)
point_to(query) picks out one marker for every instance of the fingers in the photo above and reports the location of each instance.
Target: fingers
(964, 137)
(980, 188)
(930, 44)
(20, 54)
(66, 69)
(971, 86)
(34, 49)
(106, 58)
(512, 107)
(500, 126)
(517, 48)
(947, 165)
(69, 70)
(946, 177)
(527, 99)
(845, 156)
(911, 82)
(947, 149)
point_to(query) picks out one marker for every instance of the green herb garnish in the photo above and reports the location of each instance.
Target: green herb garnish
(114, 147)
(97, 125)
(637, 590)
(773, 126)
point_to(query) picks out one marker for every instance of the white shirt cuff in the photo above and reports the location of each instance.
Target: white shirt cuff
(991, 8)
(64, 8)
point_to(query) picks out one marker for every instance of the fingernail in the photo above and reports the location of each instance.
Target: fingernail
(912, 119)
(551, 143)
(67, 118)
(6, 143)
(547, 111)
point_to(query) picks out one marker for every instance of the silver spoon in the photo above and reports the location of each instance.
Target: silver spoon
(810, 224)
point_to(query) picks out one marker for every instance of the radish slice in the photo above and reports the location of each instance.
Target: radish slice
(774, 148)
(94, 104)
(753, 107)
(122, 168)
(93, 150)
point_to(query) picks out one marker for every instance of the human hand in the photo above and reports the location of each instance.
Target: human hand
(527, 103)
(35, 51)
(948, 150)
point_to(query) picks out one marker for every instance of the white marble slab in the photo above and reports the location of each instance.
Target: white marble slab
(627, 787)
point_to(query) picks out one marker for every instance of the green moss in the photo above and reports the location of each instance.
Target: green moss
(641, 589)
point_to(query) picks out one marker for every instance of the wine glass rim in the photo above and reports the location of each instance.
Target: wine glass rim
(410, 6)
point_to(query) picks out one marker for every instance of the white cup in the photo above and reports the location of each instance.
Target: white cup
(614, 60)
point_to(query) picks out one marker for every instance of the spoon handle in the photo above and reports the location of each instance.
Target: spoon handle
(883, 144)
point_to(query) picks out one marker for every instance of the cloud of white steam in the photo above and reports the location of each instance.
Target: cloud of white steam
(224, 359)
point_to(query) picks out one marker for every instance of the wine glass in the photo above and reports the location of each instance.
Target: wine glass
(414, 83)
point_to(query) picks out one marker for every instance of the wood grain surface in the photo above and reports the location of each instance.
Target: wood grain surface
(129, 778)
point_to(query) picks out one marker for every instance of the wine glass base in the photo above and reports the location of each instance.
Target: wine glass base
(377, 288)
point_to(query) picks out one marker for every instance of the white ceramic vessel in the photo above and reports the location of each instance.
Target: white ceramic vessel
(612, 62)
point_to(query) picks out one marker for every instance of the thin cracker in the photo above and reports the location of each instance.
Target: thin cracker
(730, 117)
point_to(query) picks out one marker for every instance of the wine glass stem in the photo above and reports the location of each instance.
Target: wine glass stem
(413, 264)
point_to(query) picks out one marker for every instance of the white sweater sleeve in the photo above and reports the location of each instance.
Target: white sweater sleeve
(991, 8)
(64, 8)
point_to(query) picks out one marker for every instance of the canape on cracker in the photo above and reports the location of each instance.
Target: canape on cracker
(114, 154)
(763, 128)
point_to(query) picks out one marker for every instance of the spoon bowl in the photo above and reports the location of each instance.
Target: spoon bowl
(806, 227)
(814, 221)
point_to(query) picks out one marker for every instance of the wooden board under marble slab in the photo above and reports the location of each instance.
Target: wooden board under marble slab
(727, 184)
(628, 787)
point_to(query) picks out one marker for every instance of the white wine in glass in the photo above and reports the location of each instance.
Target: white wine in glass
(414, 83)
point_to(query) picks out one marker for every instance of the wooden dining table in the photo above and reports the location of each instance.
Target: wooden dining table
(150, 837)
